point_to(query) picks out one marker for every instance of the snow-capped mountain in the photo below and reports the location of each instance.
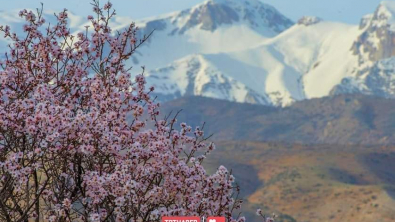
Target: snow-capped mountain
(247, 51)
(313, 58)
(291, 66)
(215, 26)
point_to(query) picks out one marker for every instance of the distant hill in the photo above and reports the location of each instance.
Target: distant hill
(312, 183)
(342, 119)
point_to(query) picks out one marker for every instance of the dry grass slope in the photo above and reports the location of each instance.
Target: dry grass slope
(313, 183)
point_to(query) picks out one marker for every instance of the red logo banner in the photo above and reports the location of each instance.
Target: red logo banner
(215, 219)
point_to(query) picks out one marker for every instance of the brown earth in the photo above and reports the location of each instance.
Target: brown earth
(312, 183)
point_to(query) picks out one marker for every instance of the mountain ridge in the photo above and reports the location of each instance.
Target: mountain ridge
(207, 28)
(341, 120)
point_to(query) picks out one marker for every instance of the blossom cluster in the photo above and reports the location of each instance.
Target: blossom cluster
(265, 218)
(81, 140)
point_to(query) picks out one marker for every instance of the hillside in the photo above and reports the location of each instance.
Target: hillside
(343, 119)
(312, 183)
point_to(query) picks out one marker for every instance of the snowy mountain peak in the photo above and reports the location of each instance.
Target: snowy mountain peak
(214, 26)
(378, 34)
(212, 14)
(385, 15)
(365, 21)
(247, 3)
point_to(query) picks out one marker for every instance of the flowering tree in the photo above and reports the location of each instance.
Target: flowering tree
(81, 141)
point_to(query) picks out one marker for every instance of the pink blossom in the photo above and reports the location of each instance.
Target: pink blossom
(67, 203)
(107, 6)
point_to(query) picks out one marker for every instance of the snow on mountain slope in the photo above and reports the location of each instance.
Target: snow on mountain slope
(203, 75)
(295, 65)
(313, 59)
(378, 80)
(333, 61)
(215, 26)
(307, 54)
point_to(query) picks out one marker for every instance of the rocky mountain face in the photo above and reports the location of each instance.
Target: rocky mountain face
(214, 14)
(210, 16)
(377, 40)
(375, 48)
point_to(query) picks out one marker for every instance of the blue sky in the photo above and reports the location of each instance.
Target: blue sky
(348, 11)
